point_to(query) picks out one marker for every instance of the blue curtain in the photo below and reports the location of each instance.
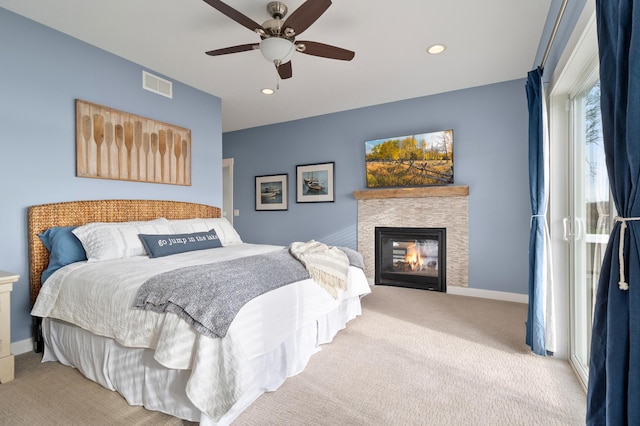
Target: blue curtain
(613, 396)
(535, 336)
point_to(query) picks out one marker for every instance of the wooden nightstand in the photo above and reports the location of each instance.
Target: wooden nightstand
(6, 359)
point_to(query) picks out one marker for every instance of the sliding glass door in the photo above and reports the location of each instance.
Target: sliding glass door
(587, 229)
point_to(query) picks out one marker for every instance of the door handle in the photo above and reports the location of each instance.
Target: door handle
(566, 229)
(580, 228)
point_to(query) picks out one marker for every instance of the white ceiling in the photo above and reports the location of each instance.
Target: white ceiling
(487, 41)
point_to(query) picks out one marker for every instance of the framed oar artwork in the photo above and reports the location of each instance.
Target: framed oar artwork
(112, 144)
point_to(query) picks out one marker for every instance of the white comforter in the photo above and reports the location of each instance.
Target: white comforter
(99, 297)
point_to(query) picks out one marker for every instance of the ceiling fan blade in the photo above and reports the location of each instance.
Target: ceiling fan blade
(235, 15)
(324, 50)
(233, 49)
(285, 71)
(305, 15)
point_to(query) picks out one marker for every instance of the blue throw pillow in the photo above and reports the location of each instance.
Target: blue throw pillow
(164, 245)
(64, 248)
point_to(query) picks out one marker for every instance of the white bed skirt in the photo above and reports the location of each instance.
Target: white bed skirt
(141, 380)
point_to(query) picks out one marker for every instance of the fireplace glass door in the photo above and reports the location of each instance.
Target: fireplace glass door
(411, 257)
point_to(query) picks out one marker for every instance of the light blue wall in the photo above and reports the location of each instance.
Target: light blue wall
(491, 157)
(42, 72)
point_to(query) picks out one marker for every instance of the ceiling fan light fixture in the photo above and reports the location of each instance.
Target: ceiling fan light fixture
(277, 49)
(435, 49)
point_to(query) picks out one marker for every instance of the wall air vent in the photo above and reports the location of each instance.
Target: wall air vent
(158, 85)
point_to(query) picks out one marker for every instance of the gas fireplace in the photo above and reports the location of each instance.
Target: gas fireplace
(411, 257)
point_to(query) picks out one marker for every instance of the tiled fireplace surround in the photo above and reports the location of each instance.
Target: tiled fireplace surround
(425, 207)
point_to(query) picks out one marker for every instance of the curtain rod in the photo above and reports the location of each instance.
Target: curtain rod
(553, 33)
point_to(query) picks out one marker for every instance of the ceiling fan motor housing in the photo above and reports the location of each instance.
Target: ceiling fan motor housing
(273, 27)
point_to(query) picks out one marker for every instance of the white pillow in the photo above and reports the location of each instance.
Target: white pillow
(108, 241)
(225, 231)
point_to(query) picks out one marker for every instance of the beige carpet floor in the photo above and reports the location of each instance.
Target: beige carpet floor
(413, 358)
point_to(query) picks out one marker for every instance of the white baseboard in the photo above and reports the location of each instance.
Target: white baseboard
(22, 347)
(478, 292)
(488, 294)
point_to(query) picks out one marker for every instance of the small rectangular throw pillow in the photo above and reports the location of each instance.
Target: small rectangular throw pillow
(165, 245)
(115, 240)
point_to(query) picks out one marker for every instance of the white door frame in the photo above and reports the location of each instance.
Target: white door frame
(581, 50)
(227, 189)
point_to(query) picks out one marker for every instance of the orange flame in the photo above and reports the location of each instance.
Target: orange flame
(413, 259)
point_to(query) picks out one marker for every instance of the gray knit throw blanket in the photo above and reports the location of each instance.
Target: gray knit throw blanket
(209, 296)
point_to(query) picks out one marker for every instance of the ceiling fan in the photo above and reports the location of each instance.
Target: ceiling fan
(278, 35)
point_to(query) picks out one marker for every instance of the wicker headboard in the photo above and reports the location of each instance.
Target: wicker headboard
(45, 216)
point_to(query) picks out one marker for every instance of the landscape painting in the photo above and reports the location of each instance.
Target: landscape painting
(414, 160)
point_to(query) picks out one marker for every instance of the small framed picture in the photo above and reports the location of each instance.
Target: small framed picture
(271, 192)
(315, 183)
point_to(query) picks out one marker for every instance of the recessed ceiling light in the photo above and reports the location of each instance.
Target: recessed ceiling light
(436, 48)
(267, 91)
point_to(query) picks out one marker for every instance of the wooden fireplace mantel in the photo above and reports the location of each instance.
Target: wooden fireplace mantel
(421, 192)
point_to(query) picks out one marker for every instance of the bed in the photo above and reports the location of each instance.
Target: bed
(171, 360)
